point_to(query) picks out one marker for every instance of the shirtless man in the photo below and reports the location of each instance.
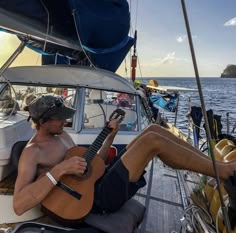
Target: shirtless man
(47, 148)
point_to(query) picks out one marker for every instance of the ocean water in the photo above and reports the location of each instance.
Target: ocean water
(219, 95)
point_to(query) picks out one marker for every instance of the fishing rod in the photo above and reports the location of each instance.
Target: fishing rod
(208, 133)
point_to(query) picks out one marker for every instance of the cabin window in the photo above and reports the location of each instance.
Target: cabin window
(20, 96)
(100, 104)
(145, 121)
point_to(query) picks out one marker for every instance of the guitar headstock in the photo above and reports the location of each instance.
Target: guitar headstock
(117, 114)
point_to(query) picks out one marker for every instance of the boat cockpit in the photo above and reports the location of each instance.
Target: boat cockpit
(95, 94)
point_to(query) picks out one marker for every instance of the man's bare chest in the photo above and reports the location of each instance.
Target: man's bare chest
(53, 154)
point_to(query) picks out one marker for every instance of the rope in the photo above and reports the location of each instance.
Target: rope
(197, 219)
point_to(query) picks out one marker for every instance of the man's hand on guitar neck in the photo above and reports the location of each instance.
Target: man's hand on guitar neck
(115, 126)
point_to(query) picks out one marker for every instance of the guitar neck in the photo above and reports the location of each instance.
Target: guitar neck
(96, 145)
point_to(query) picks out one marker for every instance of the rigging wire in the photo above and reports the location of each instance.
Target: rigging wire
(136, 16)
(37, 60)
(209, 137)
(138, 60)
(48, 23)
(129, 63)
(140, 70)
(80, 42)
(126, 69)
(130, 7)
(132, 30)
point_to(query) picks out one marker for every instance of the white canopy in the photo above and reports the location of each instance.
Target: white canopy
(64, 75)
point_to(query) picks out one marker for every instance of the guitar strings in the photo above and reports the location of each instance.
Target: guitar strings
(89, 154)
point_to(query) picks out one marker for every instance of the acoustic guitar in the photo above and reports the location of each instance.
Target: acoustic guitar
(72, 198)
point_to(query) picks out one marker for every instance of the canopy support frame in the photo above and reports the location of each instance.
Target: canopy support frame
(12, 58)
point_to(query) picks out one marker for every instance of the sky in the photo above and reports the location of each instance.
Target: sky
(162, 44)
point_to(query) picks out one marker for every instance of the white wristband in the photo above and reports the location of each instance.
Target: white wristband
(51, 178)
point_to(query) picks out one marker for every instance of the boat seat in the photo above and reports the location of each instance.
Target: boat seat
(16, 153)
(126, 219)
(7, 184)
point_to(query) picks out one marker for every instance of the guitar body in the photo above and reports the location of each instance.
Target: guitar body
(64, 205)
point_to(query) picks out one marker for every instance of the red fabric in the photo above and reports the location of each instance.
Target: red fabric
(111, 154)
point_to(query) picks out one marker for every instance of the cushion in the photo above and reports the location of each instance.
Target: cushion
(16, 151)
(126, 219)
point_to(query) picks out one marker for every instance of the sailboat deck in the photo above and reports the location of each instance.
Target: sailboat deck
(162, 198)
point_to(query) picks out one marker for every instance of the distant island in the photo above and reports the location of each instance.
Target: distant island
(229, 72)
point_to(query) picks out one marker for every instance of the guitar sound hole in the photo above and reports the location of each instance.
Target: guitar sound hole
(83, 175)
(86, 171)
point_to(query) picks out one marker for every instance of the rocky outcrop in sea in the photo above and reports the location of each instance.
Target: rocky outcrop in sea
(229, 72)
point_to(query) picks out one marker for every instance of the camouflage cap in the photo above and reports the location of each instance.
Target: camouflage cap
(49, 106)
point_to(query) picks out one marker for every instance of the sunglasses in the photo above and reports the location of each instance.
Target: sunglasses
(58, 103)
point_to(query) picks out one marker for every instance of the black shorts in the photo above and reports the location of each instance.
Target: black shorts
(114, 188)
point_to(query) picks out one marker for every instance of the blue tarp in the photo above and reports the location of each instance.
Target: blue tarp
(100, 27)
(167, 102)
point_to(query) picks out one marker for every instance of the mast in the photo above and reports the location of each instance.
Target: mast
(134, 59)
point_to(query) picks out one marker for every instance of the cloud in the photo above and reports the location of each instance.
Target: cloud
(231, 22)
(169, 58)
(183, 38)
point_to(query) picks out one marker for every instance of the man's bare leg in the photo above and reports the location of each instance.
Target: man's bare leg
(175, 155)
(162, 131)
